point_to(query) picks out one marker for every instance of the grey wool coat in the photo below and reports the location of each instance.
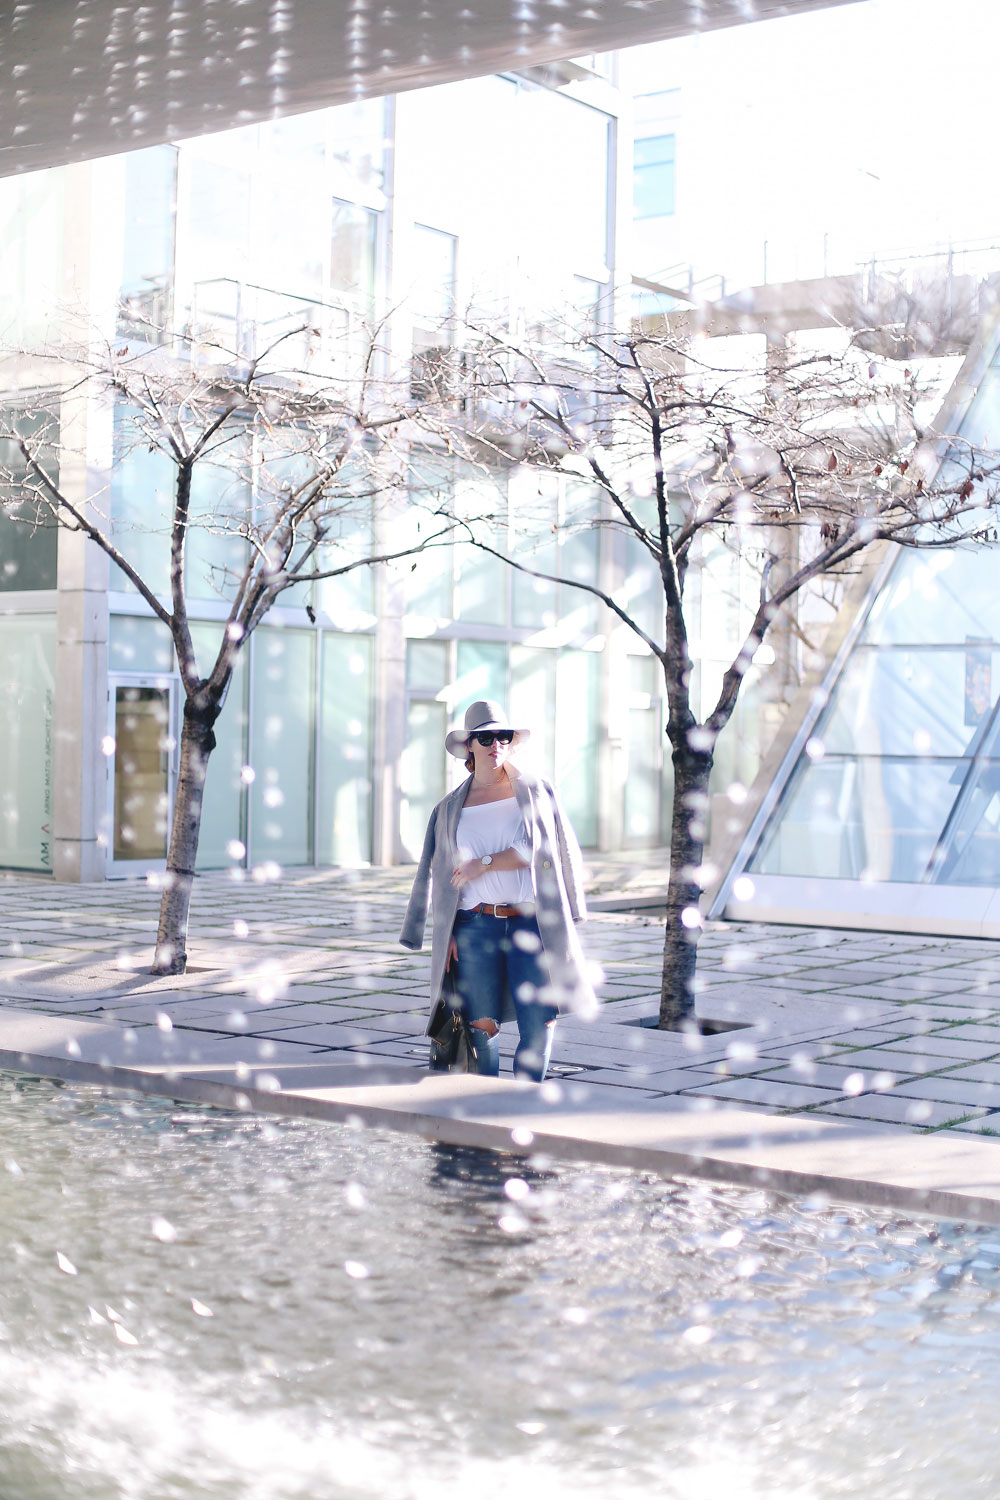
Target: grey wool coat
(556, 879)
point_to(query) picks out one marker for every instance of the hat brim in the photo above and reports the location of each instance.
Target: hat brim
(457, 741)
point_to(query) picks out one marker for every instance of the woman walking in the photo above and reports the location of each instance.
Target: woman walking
(504, 868)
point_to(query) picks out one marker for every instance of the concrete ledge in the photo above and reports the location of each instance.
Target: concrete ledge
(853, 1161)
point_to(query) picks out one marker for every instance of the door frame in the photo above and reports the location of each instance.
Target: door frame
(171, 684)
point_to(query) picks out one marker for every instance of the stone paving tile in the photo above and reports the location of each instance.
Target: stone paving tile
(763, 1091)
(897, 1110)
(943, 1044)
(668, 1081)
(330, 1034)
(871, 1036)
(977, 1072)
(984, 1125)
(952, 1089)
(817, 1049)
(973, 1032)
(832, 1076)
(881, 1059)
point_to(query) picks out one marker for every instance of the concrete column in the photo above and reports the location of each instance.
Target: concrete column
(81, 699)
(81, 713)
(390, 689)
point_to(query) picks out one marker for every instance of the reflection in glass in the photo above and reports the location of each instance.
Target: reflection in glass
(28, 534)
(148, 250)
(578, 696)
(224, 811)
(936, 597)
(345, 788)
(283, 735)
(352, 252)
(533, 701)
(970, 853)
(422, 771)
(426, 665)
(864, 818)
(482, 673)
(911, 702)
(142, 772)
(27, 690)
(645, 786)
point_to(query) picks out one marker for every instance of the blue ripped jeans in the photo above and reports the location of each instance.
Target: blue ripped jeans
(494, 953)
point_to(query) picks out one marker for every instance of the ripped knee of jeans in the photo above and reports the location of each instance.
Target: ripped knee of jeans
(486, 1024)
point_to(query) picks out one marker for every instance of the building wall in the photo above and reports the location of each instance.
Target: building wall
(331, 742)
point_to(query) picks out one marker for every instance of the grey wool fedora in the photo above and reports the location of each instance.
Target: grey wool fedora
(486, 714)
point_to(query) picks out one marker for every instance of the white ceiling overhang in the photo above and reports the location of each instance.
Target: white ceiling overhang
(87, 78)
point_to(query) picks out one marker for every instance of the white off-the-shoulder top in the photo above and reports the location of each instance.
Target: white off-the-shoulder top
(488, 829)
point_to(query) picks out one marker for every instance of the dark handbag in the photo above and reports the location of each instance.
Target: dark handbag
(452, 1039)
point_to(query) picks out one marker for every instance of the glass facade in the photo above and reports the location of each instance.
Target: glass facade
(216, 246)
(28, 538)
(900, 779)
(27, 689)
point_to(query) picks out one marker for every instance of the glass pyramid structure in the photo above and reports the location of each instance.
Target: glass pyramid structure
(886, 811)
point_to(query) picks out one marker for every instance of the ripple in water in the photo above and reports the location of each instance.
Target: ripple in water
(198, 1304)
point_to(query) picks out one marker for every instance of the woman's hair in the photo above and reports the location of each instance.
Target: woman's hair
(470, 759)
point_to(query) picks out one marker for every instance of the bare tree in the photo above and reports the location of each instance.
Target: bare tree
(309, 463)
(801, 465)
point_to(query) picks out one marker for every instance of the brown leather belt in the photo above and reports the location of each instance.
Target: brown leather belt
(485, 910)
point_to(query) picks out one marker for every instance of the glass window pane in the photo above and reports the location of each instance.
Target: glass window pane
(27, 689)
(352, 252)
(971, 853)
(224, 809)
(533, 703)
(433, 286)
(32, 256)
(148, 251)
(351, 594)
(218, 210)
(142, 498)
(357, 141)
(345, 787)
(644, 791)
(142, 773)
(291, 241)
(578, 713)
(482, 580)
(579, 558)
(426, 665)
(482, 673)
(911, 702)
(866, 819)
(139, 644)
(422, 772)
(283, 731)
(938, 597)
(534, 506)
(215, 554)
(28, 534)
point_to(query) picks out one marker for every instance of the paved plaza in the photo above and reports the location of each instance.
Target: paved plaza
(297, 990)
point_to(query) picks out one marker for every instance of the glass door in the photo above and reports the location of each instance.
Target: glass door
(142, 771)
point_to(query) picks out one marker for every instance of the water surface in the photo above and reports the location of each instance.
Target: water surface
(198, 1304)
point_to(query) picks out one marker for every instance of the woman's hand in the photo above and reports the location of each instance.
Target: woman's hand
(468, 870)
(452, 955)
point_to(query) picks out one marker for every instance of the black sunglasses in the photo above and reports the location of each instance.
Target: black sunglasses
(487, 736)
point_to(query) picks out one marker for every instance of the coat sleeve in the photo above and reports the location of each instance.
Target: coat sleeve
(412, 935)
(571, 860)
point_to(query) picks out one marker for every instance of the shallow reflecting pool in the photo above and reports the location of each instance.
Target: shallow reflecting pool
(201, 1304)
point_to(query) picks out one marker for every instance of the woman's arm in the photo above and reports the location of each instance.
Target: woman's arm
(412, 935)
(571, 860)
(471, 869)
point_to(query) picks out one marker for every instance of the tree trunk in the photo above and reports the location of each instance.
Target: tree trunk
(687, 842)
(197, 744)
